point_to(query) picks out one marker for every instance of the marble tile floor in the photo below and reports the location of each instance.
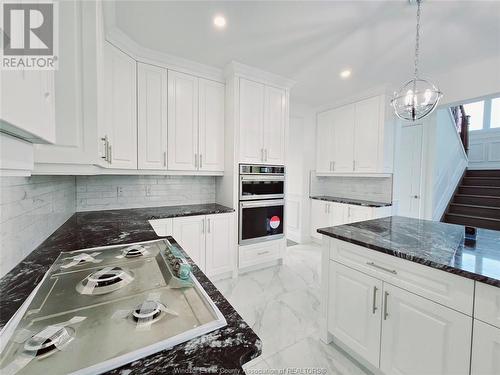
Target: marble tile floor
(282, 305)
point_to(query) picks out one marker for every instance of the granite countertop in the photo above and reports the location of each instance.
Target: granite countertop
(225, 349)
(358, 202)
(431, 243)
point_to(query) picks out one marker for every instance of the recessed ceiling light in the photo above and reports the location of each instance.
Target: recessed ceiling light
(345, 73)
(219, 22)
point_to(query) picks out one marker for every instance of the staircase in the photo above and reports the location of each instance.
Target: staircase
(476, 201)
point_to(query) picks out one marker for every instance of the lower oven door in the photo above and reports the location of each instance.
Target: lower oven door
(261, 221)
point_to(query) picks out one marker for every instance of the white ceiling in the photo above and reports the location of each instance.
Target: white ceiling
(311, 42)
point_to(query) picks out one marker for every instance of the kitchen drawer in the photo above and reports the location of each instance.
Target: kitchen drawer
(162, 227)
(487, 304)
(445, 288)
(250, 255)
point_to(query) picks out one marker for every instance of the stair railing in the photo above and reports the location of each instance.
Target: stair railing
(462, 121)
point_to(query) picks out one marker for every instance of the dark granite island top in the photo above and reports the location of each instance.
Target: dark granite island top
(227, 348)
(431, 243)
(357, 202)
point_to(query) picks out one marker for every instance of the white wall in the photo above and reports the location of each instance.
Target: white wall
(31, 209)
(484, 149)
(300, 160)
(115, 192)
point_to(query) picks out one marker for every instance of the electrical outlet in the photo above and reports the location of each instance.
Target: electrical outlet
(119, 191)
(148, 190)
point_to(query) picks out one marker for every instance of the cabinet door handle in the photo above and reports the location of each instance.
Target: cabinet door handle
(164, 158)
(262, 154)
(265, 154)
(203, 226)
(329, 207)
(263, 252)
(110, 155)
(386, 314)
(196, 161)
(208, 226)
(326, 208)
(382, 268)
(105, 140)
(201, 161)
(354, 165)
(374, 305)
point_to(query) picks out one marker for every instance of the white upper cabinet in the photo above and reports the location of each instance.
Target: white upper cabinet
(343, 138)
(262, 123)
(120, 109)
(251, 121)
(211, 125)
(182, 122)
(366, 135)
(355, 139)
(274, 125)
(27, 104)
(152, 117)
(324, 146)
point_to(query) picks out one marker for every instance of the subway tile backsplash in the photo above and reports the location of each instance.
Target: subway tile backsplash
(378, 189)
(31, 208)
(115, 192)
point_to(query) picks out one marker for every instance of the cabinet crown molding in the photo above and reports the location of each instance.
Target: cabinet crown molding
(235, 68)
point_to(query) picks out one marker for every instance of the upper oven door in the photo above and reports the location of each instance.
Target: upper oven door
(261, 187)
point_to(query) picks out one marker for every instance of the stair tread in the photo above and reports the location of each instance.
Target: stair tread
(474, 206)
(476, 196)
(481, 186)
(483, 177)
(472, 217)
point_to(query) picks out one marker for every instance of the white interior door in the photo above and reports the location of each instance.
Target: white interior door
(220, 244)
(366, 135)
(343, 142)
(274, 125)
(423, 337)
(354, 313)
(152, 117)
(182, 121)
(410, 169)
(251, 121)
(189, 232)
(211, 123)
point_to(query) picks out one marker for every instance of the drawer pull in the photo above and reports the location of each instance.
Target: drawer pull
(263, 252)
(382, 268)
(374, 306)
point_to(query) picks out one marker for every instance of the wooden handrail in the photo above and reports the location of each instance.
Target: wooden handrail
(462, 121)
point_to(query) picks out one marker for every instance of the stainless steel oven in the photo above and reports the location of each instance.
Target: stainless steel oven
(261, 182)
(261, 220)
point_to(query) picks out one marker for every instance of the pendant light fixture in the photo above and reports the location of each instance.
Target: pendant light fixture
(418, 97)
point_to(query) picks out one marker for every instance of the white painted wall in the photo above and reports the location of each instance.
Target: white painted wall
(300, 160)
(484, 149)
(443, 164)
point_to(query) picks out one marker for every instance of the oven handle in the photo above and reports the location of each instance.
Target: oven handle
(264, 203)
(262, 178)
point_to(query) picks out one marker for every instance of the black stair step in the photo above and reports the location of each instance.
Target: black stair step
(473, 221)
(478, 200)
(492, 191)
(472, 210)
(481, 181)
(483, 173)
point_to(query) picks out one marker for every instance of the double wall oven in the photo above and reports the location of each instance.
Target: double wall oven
(262, 203)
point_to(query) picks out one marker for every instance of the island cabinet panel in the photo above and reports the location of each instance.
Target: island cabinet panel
(422, 337)
(220, 244)
(487, 304)
(354, 312)
(445, 288)
(485, 349)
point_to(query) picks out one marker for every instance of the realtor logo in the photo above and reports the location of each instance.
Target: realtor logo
(28, 36)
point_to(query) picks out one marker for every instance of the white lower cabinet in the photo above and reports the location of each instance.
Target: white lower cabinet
(220, 244)
(395, 330)
(209, 240)
(485, 349)
(422, 337)
(354, 310)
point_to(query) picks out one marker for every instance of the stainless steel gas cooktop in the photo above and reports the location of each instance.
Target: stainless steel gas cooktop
(97, 309)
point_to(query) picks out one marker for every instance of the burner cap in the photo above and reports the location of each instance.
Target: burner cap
(42, 345)
(147, 311)
(105, 280)
(107, 276)
(134, 252)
